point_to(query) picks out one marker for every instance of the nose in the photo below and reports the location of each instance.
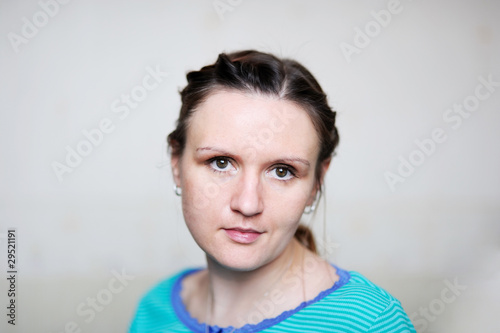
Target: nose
(247, 196)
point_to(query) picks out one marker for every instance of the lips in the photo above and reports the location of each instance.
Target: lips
(243, 236)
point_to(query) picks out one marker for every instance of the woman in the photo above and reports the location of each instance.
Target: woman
(252, 145)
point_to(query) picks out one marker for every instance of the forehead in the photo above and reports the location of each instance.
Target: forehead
(237, 121)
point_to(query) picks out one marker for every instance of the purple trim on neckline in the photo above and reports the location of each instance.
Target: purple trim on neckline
(196, 326)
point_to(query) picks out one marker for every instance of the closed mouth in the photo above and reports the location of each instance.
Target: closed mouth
(242, 235)
(244, 230)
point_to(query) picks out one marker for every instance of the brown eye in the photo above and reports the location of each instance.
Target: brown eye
(221, 163)
(281, 172)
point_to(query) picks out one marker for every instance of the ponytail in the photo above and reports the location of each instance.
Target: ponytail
(305, 237)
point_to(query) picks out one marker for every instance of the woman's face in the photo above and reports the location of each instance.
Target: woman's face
(246, 173)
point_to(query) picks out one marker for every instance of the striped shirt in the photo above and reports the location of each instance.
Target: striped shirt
(352, 304)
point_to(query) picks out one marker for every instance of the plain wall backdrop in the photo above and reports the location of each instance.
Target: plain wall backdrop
(412, 197)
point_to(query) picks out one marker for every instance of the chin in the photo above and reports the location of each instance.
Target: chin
(238, 263)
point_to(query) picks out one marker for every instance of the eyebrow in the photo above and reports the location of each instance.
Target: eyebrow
(284, 160)
(222, 151)
(294, 159)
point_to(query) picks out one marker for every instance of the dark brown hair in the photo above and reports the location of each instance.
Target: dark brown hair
(264, 73)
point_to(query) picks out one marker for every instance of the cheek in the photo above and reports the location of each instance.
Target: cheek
(290, 197)
(196, 216)
(290, 215)
(202, 202)
(287, 208)
(195, 200)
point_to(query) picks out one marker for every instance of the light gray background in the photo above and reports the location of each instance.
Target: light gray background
(117, 211)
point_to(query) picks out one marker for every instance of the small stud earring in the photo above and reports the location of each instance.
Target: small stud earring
(310, 209)
(177, 190)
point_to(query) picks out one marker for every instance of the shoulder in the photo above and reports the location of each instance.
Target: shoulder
(355, 305)
(361, 290)
(156, 309)
(369, 306)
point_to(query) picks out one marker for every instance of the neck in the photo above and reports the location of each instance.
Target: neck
(232, 293)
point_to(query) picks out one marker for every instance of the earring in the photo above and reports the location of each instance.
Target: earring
(177, 190)
(310, 209)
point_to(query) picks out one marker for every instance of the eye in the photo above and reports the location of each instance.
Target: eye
(221, 164)
(282, 173)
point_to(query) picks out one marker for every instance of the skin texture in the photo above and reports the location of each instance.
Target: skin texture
(247, 172)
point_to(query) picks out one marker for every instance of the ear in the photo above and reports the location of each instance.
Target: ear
(175, 161)
(323, 168)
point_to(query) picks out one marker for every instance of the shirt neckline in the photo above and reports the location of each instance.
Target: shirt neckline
(194, 325)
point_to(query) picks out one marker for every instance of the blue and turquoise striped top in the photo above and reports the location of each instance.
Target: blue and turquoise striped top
(352, 304)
